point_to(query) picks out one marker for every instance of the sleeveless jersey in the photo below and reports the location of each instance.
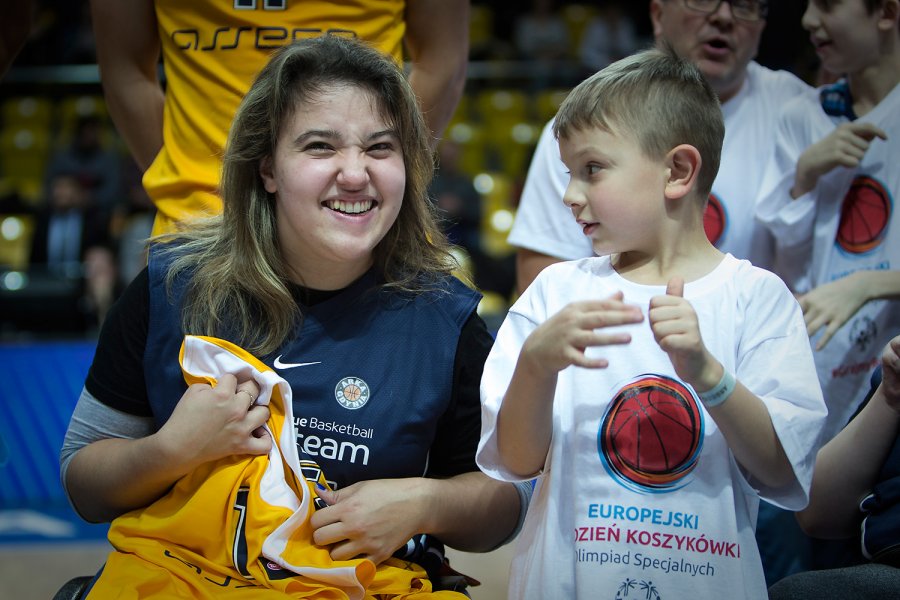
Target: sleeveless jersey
(371, 373)
(212, 51)
(239, 527)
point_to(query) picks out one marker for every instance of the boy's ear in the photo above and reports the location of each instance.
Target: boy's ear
(683, 162)
(890, 13)
(265, 171)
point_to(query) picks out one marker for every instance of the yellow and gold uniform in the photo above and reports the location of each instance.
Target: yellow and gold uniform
(239, 527)
(212, 51)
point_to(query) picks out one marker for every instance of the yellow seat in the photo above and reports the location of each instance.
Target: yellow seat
(24, 152)
(577, 16)
(497, 212)
(547, 102)
(473, 147)
(502, 105)
(481, 28)
(16, 231)
(27, 111)
(510, 145)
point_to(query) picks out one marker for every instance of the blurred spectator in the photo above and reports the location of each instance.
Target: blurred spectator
(541, 36)
(131, 224)
(541, 33)
(72, 242)
(609, 36)
(96, 167)
(456, 198)
(460, 206)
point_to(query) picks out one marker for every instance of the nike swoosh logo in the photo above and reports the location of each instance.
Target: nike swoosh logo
(282, 365)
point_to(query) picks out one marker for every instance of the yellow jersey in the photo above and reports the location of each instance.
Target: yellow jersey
(212, 52)
(239, 527)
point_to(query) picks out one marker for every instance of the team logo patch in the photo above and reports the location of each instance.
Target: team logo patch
(651, 436)
(351, 392)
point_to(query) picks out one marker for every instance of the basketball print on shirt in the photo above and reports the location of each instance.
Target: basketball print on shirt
(651, 434)
(865, 215)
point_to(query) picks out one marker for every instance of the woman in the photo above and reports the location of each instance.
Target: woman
(328, 266)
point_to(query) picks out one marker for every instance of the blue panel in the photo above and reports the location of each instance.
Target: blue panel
(40, 385)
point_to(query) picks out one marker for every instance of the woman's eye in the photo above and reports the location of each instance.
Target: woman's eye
(317, 147)
(381, 148)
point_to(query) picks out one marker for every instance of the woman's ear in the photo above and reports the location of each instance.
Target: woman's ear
(265, 171)
(683, 162)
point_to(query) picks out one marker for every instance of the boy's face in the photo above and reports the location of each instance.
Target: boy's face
(719, 44)
(845, 36)
(615, 192)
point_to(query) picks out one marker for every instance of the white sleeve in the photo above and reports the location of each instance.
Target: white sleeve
(498, 370)
(543, 223)
(791, 222)
(775, 362)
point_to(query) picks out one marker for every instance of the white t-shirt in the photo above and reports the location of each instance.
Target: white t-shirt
(848, 223)
(545, 225)
(639, 488)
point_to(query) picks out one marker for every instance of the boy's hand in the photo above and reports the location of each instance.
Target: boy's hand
(890, 373)
(677, 331)
(831, 305)
(561, 340)
(843, 147)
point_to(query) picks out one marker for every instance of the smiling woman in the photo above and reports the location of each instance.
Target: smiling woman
(327, 257)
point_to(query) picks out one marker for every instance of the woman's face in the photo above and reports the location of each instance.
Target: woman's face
(338, 177)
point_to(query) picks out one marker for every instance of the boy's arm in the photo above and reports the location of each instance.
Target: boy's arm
(747, 427)
(741, 416)
(832, 304)
(525, 417)
(847, 467)
(525, 420)
(843, 147)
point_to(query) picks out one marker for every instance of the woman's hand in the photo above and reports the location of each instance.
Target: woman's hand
(371, 519)
(209, 423)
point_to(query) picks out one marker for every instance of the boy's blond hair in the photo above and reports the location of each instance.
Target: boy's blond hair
(660, 98)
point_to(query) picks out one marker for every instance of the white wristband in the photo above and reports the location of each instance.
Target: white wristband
(720, 392)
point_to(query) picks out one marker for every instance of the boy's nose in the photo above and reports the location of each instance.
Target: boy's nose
(572, 198)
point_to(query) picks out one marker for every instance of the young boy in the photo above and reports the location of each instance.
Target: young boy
(654, 413)
(828, 196)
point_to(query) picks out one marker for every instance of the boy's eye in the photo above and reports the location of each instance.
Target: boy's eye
(593, 169)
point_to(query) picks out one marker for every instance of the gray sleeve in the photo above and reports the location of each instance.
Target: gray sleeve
(92, 421)
(525, 490)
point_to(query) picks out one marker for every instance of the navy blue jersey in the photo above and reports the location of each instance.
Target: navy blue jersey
(380, 388)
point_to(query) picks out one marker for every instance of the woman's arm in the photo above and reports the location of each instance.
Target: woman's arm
(847, 467)
(111, 476)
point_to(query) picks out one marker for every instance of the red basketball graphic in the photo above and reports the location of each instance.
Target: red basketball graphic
(714, 219)
(865, 214)
(652, 432)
